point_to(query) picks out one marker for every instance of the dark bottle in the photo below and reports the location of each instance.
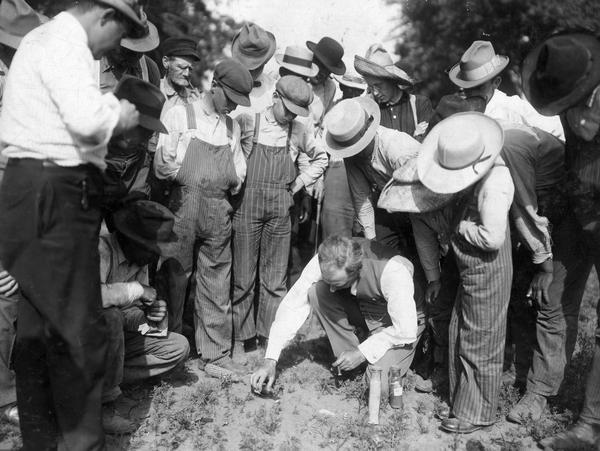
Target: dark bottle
(396, 389)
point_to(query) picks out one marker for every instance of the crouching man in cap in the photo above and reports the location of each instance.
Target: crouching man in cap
(203, 157)
(262, 227)
(357, 288)
(138, 348)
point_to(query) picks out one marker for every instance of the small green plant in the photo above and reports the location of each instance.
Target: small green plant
(268, 421)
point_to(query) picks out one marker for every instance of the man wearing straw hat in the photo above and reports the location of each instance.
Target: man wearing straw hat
(561, 75)
(459, 156)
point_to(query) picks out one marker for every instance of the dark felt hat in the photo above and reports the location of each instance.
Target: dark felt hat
(183, 47)
(561, 71)
(146, 223)
(133, 11)
(329, 52)
(146, 97)
(235, 79)
(253, 46)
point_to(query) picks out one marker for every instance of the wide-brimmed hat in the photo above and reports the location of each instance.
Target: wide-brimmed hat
(181, 47)
(351, 80)
(235, 79)
(478, 64)
(146, 223)
(459, 151)
(17, 19)
(299, 60)
(378, 63)
(561, 71)
(405, 192)
(295, 93)
(329, 52)
(253, 46)
(133, 11)
(143, 44)
(146, 97)
(350, 126)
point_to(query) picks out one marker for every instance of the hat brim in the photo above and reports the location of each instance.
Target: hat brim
(368, 68)
(140, 26)
(447, 181)
(300, 70)
(296, 109)
(557, 106)
(239, 99)
(10, 40)
(152, 123)
(350, 84)
(250, 62)
(454, 73)
(411, 198)
(337, 69)
(332, 147)
(145, 44)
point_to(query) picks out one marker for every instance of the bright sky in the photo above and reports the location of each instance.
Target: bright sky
(354, 23)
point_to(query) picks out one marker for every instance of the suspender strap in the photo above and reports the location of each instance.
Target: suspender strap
(289, 137)
(413, 106)
(144, 67)
(229, 125)
(256, 129)
(191, 116)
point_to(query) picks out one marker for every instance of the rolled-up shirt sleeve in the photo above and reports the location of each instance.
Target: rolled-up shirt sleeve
(293, 310)
(166, 160)
(360, 190)
(313, 166)
(239, 160)
(398, 289)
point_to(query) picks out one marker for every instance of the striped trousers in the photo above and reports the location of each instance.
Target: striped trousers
(478, 330)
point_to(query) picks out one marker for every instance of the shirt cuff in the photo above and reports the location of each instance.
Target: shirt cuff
(135, 290)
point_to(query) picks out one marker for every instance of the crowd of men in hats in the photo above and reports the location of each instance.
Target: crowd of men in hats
(128, 196)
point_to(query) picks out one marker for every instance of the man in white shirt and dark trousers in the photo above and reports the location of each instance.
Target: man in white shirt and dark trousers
(356, 287)
(54, 128)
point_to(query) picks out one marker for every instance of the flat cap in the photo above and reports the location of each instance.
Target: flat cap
(184, 47)
(295, 93)
(235, 80)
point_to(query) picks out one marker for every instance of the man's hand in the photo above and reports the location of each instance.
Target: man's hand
(156, 313)
(8, 284)
(296, 186)
(149, 296)
(348, 360)
(266, 373)
(305, 209)
(538, 288)
(432, 291)
(319, 190)
(128, 118)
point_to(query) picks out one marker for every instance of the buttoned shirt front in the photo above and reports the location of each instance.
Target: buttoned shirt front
(391, 151)
(302, 141)
(397, 287)
(210, 127)
(53, 108)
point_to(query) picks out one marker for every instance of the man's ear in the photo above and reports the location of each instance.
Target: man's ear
(497, 81)
(165, 62)
(107, 15)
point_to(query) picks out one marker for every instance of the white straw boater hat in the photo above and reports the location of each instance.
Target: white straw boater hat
(405, 192)
(299, 60)
(350, 126)
(478, 64)
(459, 151)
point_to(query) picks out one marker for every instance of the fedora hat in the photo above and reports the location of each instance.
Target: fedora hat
(295, 93)
(350, 126)
(354, 81)
(329, 52)
(146, 97)
(405, 192)
(17, 19)
(143, 44)
(132, 10)
(378, 63)
(561, 71)
(478, 64)
(253, 46)
(298, 60)
(146, 223)
(459, 151)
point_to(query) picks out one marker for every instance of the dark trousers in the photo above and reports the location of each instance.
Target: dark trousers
(337, 216)
(49, 242)
(8, 320)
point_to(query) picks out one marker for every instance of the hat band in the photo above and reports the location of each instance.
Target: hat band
(297, 61)
(482, 71)
(479, 159)
(357, 137)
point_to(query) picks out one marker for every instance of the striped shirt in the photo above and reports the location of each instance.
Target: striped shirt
(53, 108)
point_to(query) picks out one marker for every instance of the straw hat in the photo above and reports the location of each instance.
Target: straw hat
(299, 60)
(478, 64)
(17, 19)
(459, 151)
(350, 126)
(351, 80)
(378, 63)
(405, 192)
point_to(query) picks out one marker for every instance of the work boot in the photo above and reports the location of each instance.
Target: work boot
(581, 436)
(531, 406)
(225, 368)
(113, 422)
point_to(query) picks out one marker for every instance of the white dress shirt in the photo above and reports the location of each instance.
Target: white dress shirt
(53, 108)
(397, 287)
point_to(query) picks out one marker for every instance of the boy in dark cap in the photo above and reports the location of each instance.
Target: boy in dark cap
(202, 156)
(179, 55)
(272, 141)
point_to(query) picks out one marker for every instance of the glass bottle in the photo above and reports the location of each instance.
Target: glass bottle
(396, 389)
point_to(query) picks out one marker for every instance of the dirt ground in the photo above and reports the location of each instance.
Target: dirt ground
(189, 411)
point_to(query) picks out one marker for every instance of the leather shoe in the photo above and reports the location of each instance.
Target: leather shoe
(531, 406)
(10, 414)
(457, 426)
(581, 436)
